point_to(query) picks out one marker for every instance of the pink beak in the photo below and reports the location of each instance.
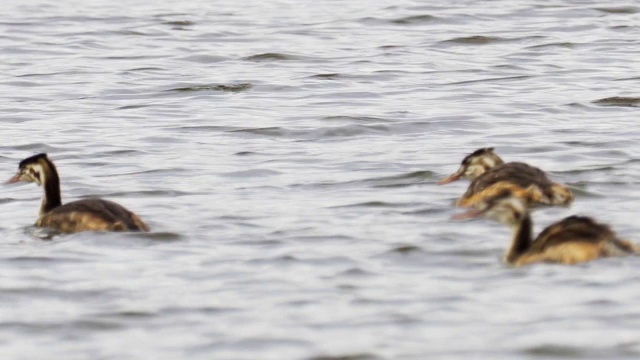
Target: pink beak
(471, 214)
(14, 179)
(450, 178)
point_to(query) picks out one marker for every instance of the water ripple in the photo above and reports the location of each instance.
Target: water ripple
(271, 57)
(286, 156)
(475, 40)
(223, 88)
(346, 357)
(618, 101)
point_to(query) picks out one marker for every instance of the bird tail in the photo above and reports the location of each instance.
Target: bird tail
(623, 247)
(139, 225)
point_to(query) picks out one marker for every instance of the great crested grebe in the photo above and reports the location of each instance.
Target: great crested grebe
(572, 240)
(82, 215)
(490, 176)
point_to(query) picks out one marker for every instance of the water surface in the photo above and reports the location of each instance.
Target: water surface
(286, 155)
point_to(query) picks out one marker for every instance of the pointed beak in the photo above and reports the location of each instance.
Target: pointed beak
(450, 178)
(470, 214)
(14, 179)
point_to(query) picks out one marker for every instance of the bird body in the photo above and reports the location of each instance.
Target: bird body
(490, 175)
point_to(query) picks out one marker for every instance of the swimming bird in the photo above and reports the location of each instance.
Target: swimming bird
(490, 175)
(474, 165)
(572, 240)
(92, 214)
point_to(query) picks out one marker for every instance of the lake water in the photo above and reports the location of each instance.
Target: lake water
(286, 155)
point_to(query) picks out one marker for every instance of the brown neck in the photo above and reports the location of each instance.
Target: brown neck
(521, 241)
(51, 184)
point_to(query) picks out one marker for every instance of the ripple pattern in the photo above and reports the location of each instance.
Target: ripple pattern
(286, 155)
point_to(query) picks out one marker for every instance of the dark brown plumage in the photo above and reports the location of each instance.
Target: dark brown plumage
(517, 173)
(536, 186)
(92, 214)
(572, 240)
(83, 215)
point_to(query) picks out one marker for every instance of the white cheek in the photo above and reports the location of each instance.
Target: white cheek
(474, 171)
(501, 216)
(489, 163)
(38, 169)
(508, 219)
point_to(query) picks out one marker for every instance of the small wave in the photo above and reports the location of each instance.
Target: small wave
(328, 76)
(618, 101)
(179, 23)
(592, 169)
(567, 45)
(46, 74)
(619, 9)
(406, 249)
(497, 79)
(270, 57)
(39, 147)
(38, 261)
(160, 236)
(352, 130)
(199, 129)
(356, 119)
(203, 59)
(355, 272)
(219, 87)
(318, 133)
(415, 20)
(411, 20)
(272, 131)
(555, 351)
(381, 204)
(197, 310)
(475, 40)
(128, 314)
(148, 68)
(133, 107)
(168, 171)
(251, 173)
(427, 211)
(47, 326)
(147, 193)
(412, 178)
(40, 233)
(346, 357)
(245, 153)
(416, 177)
(633, 78)
(170, 14)
(407, 179)
(277, 259)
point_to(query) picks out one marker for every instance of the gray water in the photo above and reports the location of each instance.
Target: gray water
(286, 155)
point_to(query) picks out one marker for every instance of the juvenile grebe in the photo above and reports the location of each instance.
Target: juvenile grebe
(572, 240)
(474, 165)
(490, 176)
(83, 215)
